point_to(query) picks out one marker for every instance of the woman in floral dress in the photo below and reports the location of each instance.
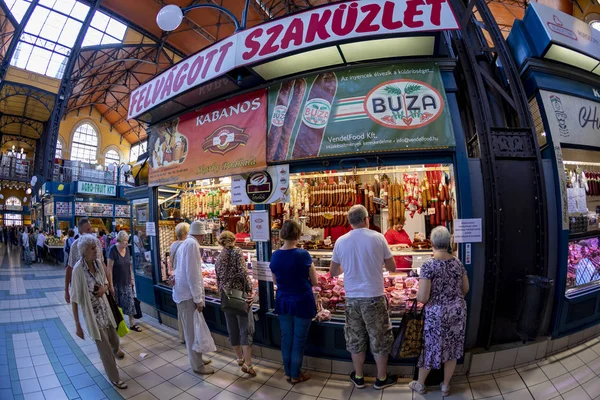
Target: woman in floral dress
(442, 288)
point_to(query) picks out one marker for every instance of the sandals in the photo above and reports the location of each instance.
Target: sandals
(240, 361)
(417, 387)
(300, 379)
(120, 385)
(445, 389)
(119, 354)
(248, 370)
(136, 328)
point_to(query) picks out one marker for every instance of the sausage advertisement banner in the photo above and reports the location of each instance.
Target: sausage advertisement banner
(223, 139)
(375, 109)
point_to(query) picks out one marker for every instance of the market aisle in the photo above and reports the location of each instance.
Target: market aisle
(40, 358)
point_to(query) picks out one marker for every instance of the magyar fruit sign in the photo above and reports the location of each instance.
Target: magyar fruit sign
(376, 109)
(223, 139)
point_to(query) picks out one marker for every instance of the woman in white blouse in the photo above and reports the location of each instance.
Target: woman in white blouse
(88, 291)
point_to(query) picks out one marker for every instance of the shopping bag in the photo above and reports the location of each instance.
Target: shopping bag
(122, 328)
(203, 341)
(409, 342)
(138, 309)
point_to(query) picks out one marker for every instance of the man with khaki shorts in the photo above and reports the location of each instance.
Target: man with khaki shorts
(361, 255)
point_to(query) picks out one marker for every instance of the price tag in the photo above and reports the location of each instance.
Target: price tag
(431, 211)
(247, 240)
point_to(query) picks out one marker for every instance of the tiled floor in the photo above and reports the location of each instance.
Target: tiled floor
(41, 358)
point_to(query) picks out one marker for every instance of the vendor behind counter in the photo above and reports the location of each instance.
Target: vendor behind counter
(396, 235)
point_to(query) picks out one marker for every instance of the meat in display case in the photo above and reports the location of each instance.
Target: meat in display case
(583, 265)
(400, 287)
(209, 257)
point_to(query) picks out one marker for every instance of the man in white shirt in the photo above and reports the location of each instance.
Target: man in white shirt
(188, 291)
(85, 228)
(361, 255)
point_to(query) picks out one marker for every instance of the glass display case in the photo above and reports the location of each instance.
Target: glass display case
(583, 265)
(209, 257)
(140, 242)
(400, 286)
(582, 178)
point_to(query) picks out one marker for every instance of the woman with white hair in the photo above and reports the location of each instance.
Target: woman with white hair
(89, 286)
(443, 286)
(120, 268)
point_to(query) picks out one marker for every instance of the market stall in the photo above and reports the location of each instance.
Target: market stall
(559, 57)
(398, 161)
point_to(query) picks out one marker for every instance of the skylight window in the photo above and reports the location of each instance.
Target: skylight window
(18, 8)
(104, 30)
(49, 35)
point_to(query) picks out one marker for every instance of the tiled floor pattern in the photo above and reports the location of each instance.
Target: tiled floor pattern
(41, 358)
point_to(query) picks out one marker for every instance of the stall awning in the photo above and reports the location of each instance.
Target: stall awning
(328, 36)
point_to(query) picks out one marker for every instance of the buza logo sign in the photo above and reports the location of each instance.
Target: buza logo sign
(316, 113)
(279, 115)
(225, 139)
(404, 104)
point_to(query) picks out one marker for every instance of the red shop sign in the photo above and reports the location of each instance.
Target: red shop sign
(314, 27)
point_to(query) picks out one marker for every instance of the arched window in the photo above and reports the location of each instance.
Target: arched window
(13, 201)
(59, 148)
(111, 157)
(85, 144)
(595, 25)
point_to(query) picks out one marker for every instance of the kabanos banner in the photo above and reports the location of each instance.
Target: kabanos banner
(314, 27)
(375, 109)
(225, 138)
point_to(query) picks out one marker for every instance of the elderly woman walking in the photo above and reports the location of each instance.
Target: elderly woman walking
(442, 288)
(120, 269)
(232, 273)
(88, 291)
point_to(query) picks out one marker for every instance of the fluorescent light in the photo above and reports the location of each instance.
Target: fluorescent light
(299, 62)
(597, 70)
(571, 57)
(388, 48)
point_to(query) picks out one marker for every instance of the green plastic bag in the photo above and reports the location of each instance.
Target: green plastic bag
(122, 329)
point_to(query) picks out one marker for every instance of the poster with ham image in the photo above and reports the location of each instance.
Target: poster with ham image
(222, 139)
(374, 109)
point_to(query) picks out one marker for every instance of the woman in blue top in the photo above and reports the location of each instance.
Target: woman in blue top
(294, 275)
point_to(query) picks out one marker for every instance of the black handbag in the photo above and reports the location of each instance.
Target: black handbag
(114, 308)
(409, 342)
(138, 309)
(234, 300)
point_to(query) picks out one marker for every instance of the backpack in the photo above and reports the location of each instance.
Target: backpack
(68, 246)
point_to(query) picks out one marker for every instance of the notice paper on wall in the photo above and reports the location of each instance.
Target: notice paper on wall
(262, 271)
(150, 229)
(576, 200)
(259, 226)
(467, 230)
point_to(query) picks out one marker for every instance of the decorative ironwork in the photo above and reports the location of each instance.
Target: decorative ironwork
(37, 126)
(7, 29)
(513, 143)
(503, 136)
(10, 138)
